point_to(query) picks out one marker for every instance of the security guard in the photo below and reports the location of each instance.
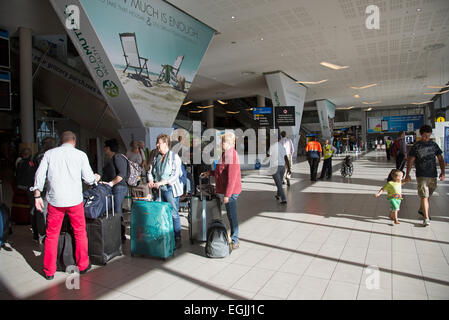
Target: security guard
(389, 144)
(313, 150)
(328, 152)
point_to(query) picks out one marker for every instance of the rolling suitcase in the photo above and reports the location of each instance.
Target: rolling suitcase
(104, 237)
(66, 246)
(152, 231)
(202, 211)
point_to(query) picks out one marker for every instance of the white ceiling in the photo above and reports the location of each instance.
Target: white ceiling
(299, 34)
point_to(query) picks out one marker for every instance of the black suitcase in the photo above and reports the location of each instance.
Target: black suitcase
(202, 210)
(66, 246)
(104, 237)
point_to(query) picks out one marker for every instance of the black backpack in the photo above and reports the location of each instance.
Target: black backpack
(218, 244)
(25, 172)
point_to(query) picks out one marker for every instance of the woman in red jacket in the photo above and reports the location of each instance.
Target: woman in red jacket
(228, 182)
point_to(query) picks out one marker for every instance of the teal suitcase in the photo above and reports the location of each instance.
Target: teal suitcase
(152, 231)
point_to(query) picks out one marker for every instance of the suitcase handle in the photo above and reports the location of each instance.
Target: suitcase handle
(112, 201)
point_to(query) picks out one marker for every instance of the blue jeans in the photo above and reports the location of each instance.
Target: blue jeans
(231, 210)
(119, 193)
(277, 177)
(167, 196)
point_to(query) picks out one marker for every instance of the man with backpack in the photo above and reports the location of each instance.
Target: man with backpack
(399, 151)
(115, 173)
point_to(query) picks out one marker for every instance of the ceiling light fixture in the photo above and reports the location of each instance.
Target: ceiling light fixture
(369, 109)
(233, 17)
(424, 102)
(333, 66)
(250, 109)
(196, 111)
(356, 96)
(261, 39)
(346, 108)
(312, 82)
(364, 87)
(232, 112)
(375, 102)
(437, 87)
(187, 103)
(206, 107)
(442, 92)
(221, 102)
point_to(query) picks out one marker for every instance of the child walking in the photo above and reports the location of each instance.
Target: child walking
(394, 189)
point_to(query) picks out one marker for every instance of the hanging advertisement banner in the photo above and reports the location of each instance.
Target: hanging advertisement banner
(143, 54)
(286, 92)
(326, 114)
(395, 123)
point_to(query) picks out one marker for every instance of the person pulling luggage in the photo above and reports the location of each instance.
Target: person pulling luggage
(164, 174)
(63, 168)
(228, 182)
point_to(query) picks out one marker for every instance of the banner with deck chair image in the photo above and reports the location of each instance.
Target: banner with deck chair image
(154, 50)
(169, 74)
(133, 59)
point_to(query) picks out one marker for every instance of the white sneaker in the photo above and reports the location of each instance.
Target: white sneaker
(426, 222)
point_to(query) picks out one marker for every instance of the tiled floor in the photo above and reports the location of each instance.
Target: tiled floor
(317, 247)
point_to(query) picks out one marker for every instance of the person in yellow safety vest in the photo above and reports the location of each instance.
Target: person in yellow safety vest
(389, 144)
(313, 150)
(328, 152)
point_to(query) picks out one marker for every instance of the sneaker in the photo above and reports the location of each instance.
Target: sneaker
(422, 214)
(235, 245)
(277, 197)
(426, 222)
(283, 202)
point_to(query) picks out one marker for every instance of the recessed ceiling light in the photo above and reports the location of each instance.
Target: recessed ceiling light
(187, 103)
(333, 66)
(418, 9)
(206, 107)
(356, 96)
(436, 92)
(261, 39)
(233, 112)
(369, 109)
(437, 87)
(233, 17)
(375, 102)
(196, 111)
(364, 87)
(424, 102)
(221, 102)
(312, 82)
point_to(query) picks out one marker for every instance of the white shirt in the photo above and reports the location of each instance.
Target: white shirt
(64, 167)
(288, 145)
(277, 154)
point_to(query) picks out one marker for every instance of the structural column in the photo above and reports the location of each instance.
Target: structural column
(260, 101)
(363, 122)
(210, 114)
(26, 88)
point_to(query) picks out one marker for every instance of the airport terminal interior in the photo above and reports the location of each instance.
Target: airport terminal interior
(363, 75)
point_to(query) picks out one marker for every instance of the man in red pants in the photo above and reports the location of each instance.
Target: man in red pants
(63, 167)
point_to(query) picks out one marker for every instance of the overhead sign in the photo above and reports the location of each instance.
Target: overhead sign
(440, 119)
(263, 110)
(4, 49)
(5, 91)
(142, 54)
(284, 116)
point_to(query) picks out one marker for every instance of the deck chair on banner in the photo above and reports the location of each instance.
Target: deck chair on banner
(171, 72)
(131, 54)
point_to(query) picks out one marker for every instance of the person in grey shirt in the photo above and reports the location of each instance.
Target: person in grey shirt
(63, 168)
